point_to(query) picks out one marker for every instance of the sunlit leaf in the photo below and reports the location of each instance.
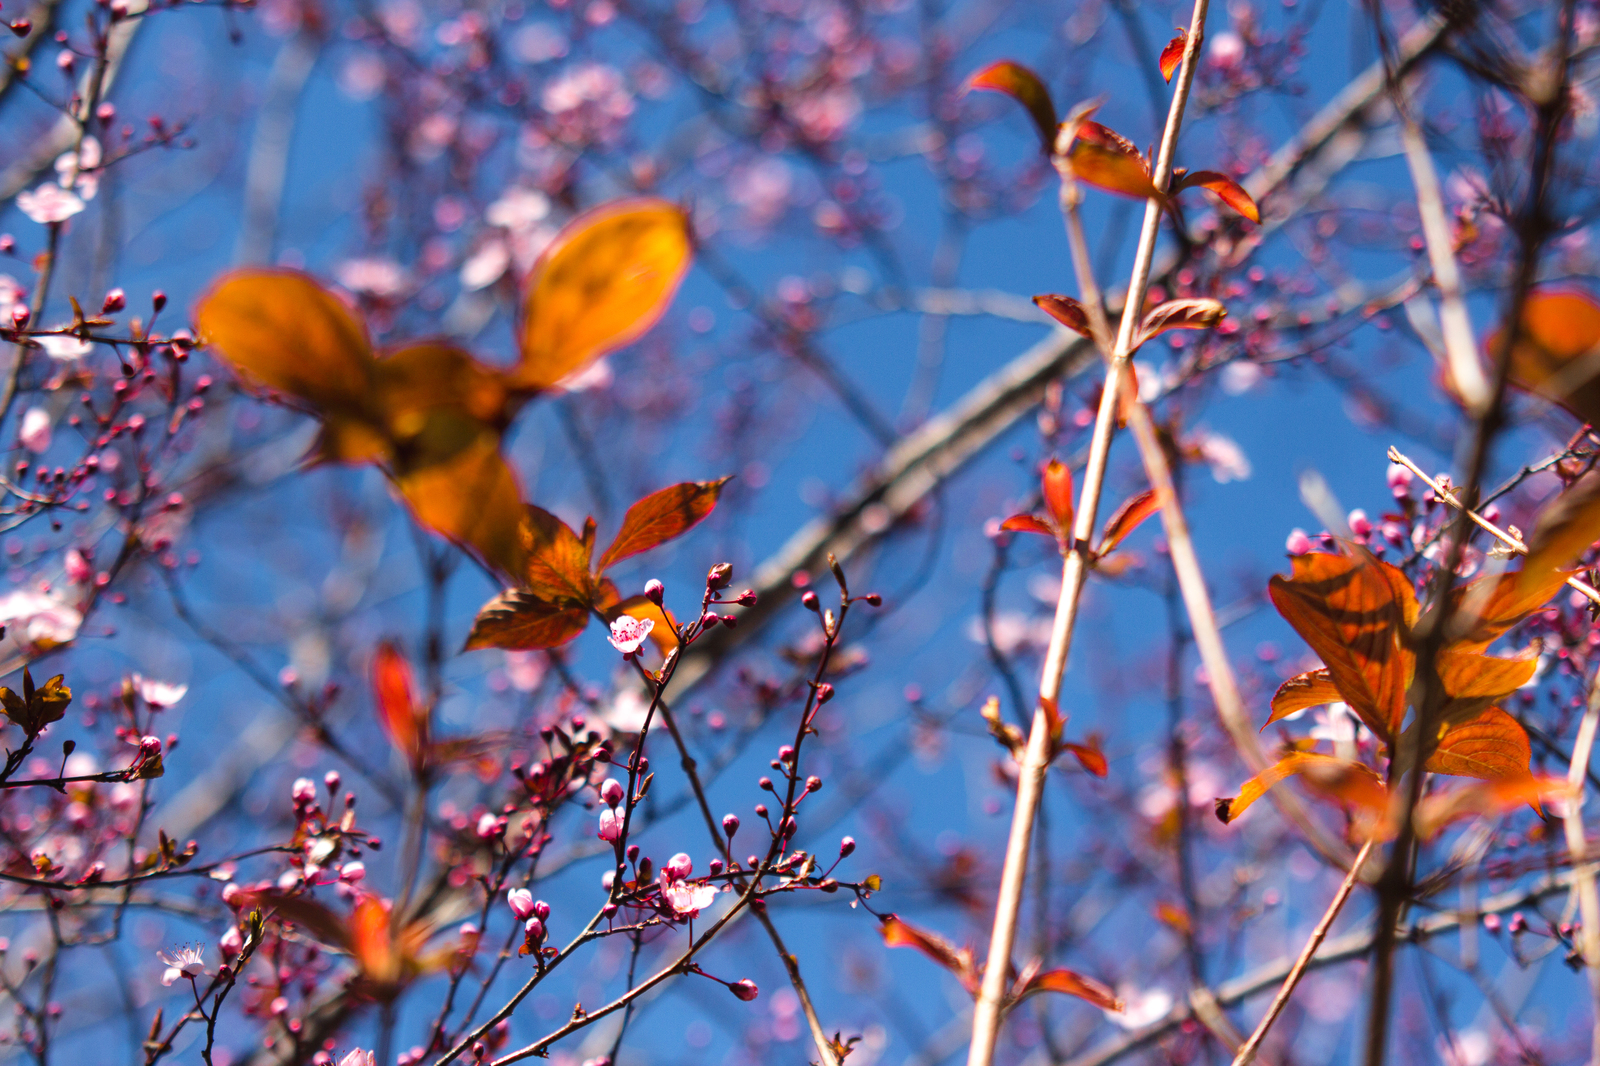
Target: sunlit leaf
(1126, 519)
(1514, 596)
(1356, 613)
(1198, 313)
(471, 497)
(1027, 523)
(1106, 167)
(1072, 984)
(283, 330)
(1228, 190)
(1056, 486)
(1065, 310)
(1349, 782)
(660, 517)
(1473, 681)
(1487, 799)
(901, 934)
(401, 712)
(558, 559)
(601, 284)
(1563, 532)
(1172, 54)
(1557, 350)
(519, 620)
(1315, 688)
(1023, 86)
(1090, 757)
(1492, 746)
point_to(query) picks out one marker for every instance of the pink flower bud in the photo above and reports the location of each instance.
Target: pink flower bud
(521, 901)
(541, 910)
(1360, 524)
(304, 791)
(1298, 543)
(678, 867)
(846, 846)
(331, 779)
(150, 745)
(115, 301)
(730, 824)
(351, 872)
(745, 989)
(654, 592)
(611, 792)
(534, 929)
(1399, 479)
(610, 825)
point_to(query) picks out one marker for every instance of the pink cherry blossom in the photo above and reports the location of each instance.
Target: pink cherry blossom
(357, 1057)
(687, 900)
(610, 825)
(39, 619)
(64, 346)
(627, 633)
(521, 901)
(49, 203)
(188, 961)
(158, 693)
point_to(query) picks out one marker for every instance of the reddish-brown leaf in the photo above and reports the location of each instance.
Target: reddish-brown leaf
(1025, 87)
(602, 283)
(1315, 688)
(1095, 163)
(1065, 310)
(1172, 54)
(1228, 190)
(1474, 681)
(1356, 613)
(401, 713)
(901, 934)
(1197, 313)
(1056, 485)
(1557, 350)
(1564, 530)
(1126, 519)
(558, 559)
(519, 620)
(1072, 984)
(1492, 746)
(1027, 523)
(1515, 595)
(469, 495)
(1348, 782)
(1090, 757)
(660, 517)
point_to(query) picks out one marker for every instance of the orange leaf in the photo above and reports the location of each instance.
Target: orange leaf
(1172, 54)
(901, 934)
(518, 620)
(1315, 688)
(1072, 984)
(1103, 164)
(1198, 313)
(1056, 485)
(470, 497)
(1564, 530)
(1472, 682)
(660, 517)
(558, 560)
(402, 715)
(1492, 746)
(1126, 519)
(1027, 523)
(1486, 799)
(1065, 310)
(1515, 596)
(1023, 86)
(1176, 917)
(1230, 191)
(1356, 613)
(1554, 354)
(602, 283)
(1348, 782)
(283, 330)
(1090, 757)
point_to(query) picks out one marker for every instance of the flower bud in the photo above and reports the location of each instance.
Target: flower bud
(813, 783)
(745, 989)
(809, 599)
(719, 576)
(541, 910)
(730, 824)
(20, 315)
(115, 301)
(653, 591)
(158, 300)
(846, 846)
(824, 692)
(747, 598)
(678, 867)
(874, 599)
(611, 792)
(521, 901)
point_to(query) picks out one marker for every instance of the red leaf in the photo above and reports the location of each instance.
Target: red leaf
(1072, 984)
(1056, 485)
(1197, 313)
(900, 934)
(1027, 523)
(1314, 688)
(1104, 164)
(660, 517)
(1090, 757)
(1023, 86)
(401, 714)
(1065, 310)
(1172, 54)
(1127, 518)
(1231, 192)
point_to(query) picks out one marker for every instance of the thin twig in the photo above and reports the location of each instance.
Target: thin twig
(1583, 877)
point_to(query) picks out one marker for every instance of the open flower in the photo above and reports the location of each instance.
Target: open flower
(521, 901)
(357, 1057)
(628, 632)
(49, 203)
(188, 961)
(158, 694)
(39, 619)
(686, 900)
